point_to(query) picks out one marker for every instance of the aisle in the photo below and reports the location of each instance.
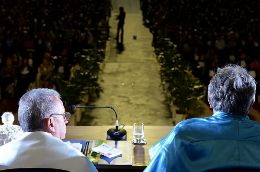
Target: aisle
(131, 79)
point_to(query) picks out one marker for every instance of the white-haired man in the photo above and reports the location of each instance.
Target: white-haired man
(226, 140)
(43, 120)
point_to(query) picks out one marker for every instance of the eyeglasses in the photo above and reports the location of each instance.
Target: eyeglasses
(66, 115)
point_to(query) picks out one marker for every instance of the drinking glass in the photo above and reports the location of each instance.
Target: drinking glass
(138, 133)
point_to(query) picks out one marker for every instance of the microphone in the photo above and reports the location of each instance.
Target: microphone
(112, 134)
(92, 107)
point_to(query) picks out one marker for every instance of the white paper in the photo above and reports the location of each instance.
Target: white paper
(107, 150)
(77, 146)
(125, 146)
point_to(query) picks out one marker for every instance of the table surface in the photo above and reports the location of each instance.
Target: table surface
(141, 157)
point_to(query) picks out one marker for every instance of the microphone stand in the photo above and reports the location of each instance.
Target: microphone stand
(112, 133)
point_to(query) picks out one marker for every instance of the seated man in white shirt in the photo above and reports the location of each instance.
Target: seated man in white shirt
(43, 119)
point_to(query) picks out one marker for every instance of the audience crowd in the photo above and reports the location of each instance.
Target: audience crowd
(32, 32)
(208, 33)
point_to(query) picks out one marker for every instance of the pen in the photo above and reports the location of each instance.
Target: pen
(86, 148)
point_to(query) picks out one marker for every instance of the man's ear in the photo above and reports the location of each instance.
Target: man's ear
(209, 102)
(50, 123)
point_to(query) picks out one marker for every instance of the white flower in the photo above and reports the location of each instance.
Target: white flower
(11, 132)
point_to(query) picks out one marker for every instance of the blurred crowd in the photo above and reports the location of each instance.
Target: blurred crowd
(208, 33)
(32, 32)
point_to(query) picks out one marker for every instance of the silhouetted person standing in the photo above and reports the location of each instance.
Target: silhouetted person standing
(121, 18)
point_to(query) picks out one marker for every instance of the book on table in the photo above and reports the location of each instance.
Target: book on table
(121, 155)
(125, 158)
(107, 150)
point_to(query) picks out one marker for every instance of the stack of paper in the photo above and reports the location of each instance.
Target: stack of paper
(75, 145)
(107, 150)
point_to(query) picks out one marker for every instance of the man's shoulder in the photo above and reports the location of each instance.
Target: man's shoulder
(41, 141)
(196, 125)
(42, 148)
(193, 121)
(58, 146)
(218, 126)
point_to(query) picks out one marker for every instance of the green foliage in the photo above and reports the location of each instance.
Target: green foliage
(184, 88)
(84, 78)
(69, 93)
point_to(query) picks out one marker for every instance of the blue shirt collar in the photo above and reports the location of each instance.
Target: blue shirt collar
(229, 115)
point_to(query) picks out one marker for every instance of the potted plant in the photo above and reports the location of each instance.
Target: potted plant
(183, 89)
(84, 79)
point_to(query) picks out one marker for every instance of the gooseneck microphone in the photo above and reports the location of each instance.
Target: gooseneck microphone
(112, 134)
(92, 107)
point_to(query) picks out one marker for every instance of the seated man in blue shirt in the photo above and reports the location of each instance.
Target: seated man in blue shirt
(227, 139)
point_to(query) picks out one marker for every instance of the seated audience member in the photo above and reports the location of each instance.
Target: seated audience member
(31, 59)
(63, 69)
(8, 77)
(43, 119)
(194, 58)
(227, 139)
(210, 71)
(57, 45)
(25, 76)
(200, 70)
(28, 42)
(48, 42)
(232, 45)
(17, 60)
(209, 54)
(242, 59)
(242, 43)
(45, 73)
(232, 57)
